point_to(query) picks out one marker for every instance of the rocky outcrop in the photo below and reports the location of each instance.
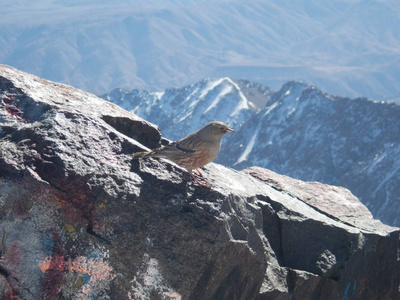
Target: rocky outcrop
(81, 220)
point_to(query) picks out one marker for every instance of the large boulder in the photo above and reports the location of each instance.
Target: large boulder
(80, 220)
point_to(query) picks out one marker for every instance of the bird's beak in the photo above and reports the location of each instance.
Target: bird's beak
(230, 130)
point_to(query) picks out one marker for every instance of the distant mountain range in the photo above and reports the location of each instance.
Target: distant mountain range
(298, 131)
(348, 48)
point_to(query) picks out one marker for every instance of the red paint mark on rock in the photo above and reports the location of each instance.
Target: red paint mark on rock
(9, 99)
(96, 267)
(13, 112)
(97, 272)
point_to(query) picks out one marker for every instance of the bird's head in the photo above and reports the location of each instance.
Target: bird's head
(216, 129)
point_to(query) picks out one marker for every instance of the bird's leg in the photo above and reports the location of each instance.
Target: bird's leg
(197, 181)
(194, 178)
(197, 169)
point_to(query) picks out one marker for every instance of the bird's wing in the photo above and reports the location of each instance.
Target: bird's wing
(188, 144)
(182, 148)
(173, 148)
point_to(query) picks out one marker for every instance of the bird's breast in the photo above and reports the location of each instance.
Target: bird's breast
(210, 152)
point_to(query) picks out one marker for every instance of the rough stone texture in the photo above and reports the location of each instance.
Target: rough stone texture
(80, 220)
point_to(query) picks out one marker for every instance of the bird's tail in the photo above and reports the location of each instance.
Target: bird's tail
(142, 154)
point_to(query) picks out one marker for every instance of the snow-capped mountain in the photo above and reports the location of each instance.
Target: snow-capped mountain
(304, 133)
(180, 111)
(344, 47)
(300, 132)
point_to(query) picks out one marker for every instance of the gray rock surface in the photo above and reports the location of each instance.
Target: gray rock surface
(80, 220)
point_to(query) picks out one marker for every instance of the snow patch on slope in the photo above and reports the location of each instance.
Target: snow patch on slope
(248, 149)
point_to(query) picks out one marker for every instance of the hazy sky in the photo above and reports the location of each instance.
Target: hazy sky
(349, 48)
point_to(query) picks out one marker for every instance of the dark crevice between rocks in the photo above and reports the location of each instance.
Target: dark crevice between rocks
(272, 221)
(138, 130)
(291, 279)
(14, 284)
(7, 85)
(10, 172)
(89, 230)
(4, 272)
(14, 292)
(331, 274)
(6, 130)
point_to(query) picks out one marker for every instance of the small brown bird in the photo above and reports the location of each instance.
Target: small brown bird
(193, 151)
